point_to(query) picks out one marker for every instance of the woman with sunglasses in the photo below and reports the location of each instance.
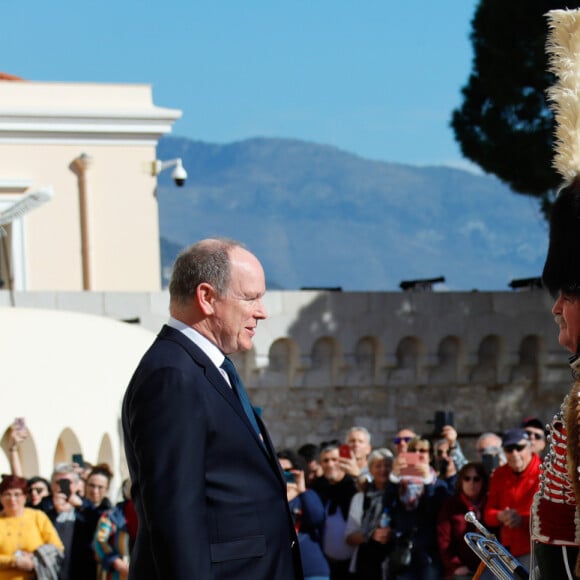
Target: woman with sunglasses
(413, 499)
(459, 560)
(38, 489)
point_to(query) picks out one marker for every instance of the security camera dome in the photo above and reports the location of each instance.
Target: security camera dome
(179, 174)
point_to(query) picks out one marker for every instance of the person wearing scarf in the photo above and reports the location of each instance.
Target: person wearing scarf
(414, 496)
(363, 527)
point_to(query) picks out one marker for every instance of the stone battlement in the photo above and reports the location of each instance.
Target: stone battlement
(324, 361)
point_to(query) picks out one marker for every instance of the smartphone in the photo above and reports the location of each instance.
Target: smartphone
(490, 462)
(412, 459)
(443, 418)
(64, 485)
(344, 451)
(19, 424)
(289, 477)
(78, 459)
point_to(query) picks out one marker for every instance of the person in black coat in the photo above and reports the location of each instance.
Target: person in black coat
(207, 486)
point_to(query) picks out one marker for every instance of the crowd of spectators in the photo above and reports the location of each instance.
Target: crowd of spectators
(391, 513)
(398, 512)
(65, 528)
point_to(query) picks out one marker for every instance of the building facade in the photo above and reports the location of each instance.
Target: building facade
(88, 151)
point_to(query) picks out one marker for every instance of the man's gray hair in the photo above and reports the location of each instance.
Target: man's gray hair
(64, 469)
(207, 261)
(379, 455)
(361, 429)
(488, 434)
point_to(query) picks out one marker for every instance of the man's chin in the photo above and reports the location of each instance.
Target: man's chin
(565, 342)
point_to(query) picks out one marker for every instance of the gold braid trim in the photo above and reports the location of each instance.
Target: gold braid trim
(572, 419)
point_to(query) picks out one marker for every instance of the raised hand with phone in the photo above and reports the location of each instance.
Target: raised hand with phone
(445, 429)
(347, 461)
(415, 462)
(18, 433)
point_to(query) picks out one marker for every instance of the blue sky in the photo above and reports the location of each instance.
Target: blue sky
(378, 78)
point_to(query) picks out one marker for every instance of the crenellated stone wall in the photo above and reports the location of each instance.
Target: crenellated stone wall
(324, 361)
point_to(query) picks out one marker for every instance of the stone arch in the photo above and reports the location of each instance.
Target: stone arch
(489, 355)
(27, 453)
(449, 361)
(66, 445)
(529, 354)
(283, 363)
(409, 355)
(283, 355)
(324, 363)
(365, 362)
(105, 455)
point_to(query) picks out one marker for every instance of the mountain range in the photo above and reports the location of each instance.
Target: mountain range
(317, 216)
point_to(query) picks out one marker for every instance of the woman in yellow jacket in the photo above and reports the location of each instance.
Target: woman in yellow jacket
(23, 531)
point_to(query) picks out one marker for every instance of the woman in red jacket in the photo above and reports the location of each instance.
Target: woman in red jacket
(459, 560)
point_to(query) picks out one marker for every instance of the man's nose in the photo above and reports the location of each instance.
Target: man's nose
(260, 312)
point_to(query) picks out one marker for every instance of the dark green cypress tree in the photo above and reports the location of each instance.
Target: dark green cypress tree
(504, 124)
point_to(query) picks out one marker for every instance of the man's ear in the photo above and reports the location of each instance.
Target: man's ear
(206, 296)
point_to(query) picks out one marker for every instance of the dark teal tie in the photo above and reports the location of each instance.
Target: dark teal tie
(240, 391)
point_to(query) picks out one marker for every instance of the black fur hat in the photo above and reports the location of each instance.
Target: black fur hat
(562, 267)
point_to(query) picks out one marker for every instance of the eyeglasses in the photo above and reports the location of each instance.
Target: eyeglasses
(534, 435)
(422, 450)
(12, 495)
(474, 478)
(516, 447)
(442, 452)
(37, 490)
(398, 440)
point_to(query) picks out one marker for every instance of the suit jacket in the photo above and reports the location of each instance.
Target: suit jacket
(210, 496)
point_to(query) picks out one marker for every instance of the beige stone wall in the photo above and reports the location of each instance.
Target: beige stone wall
(123, 222)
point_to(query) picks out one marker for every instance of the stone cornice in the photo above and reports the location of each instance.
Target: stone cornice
(119, 126)
(41, 112)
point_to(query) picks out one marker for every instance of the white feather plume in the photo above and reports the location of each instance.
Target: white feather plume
(563, 49)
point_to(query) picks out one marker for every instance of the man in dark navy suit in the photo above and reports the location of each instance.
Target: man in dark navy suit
(207, 486)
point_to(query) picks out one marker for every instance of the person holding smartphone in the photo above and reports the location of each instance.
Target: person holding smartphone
(308, 514)
(74, 520)
(336, 489)
(354, 453)
(413, 498)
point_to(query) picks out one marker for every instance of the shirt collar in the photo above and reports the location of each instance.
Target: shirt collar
(209, 348)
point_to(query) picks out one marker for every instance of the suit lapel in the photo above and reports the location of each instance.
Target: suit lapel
(216, 379)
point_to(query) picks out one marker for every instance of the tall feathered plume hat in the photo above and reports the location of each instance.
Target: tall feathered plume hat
(562, 267)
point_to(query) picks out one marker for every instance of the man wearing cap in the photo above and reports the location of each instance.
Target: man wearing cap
(535, 429)
(511, 493)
